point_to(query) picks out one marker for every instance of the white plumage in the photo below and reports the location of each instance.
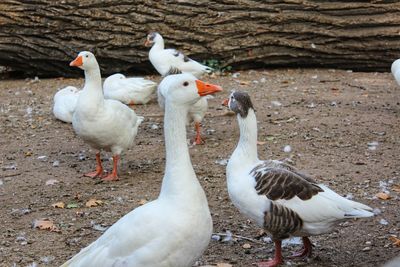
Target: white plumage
(129, 91)
(395, 69)
(64, 103)
(105, 124)
(279, 198)
(175, 229)
(196, 114)
(171, 61)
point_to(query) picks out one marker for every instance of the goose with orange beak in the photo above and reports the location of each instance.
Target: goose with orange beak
(104, 124)
(174, 229)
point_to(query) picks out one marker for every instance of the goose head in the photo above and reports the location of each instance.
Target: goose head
(152, 38)
(239, 102)
(185, 89)
(85, 60)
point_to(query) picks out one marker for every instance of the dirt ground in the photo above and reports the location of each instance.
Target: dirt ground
(342, 127)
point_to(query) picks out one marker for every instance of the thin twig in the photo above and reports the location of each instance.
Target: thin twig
(11, 175)
(241, 237)
(153, 115)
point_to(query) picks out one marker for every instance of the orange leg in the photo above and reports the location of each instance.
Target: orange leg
(99, 168)
(113, 176)
(277, 260)
(198, 140)
(306, 251)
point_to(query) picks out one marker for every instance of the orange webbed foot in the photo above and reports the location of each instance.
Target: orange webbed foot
(111, 177)
(94, 174)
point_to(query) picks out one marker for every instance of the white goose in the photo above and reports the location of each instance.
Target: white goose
(129, 91)
(174, 229)
(105, 124)
(65, 102)
(171, 61)
(279, 198)
(196, 114)
(395, 69)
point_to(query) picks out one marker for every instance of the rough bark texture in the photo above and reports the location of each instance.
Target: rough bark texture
(41, 36)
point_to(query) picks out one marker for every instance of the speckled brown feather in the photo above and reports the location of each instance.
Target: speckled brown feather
(281, 181)
(281, 221)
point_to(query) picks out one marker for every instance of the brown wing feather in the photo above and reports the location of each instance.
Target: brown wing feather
(282, 182)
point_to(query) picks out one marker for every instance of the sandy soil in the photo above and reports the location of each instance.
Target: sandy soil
(329, 118)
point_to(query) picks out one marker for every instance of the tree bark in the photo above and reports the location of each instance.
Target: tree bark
(40, 37)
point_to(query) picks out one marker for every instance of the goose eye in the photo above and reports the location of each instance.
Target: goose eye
(87, 56)
(185, 84)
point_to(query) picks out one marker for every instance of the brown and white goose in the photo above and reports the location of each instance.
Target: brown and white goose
(278, 197)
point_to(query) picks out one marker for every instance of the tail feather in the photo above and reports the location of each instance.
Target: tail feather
(359, 210)
(358, 214)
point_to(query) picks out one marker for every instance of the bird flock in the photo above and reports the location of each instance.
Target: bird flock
(175, 229)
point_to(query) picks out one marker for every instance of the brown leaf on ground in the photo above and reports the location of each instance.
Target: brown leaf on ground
(93, 203)
(45, 224)
(222, 264)
(396, 188)
(382, 196)
(142, 201)
(246, 246)
(59, 205)
(395, 240)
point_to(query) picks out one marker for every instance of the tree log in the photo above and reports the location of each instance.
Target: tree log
(40, 37)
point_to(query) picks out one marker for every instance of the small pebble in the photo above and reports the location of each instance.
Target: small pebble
(287, 149)
(216, 237)
(383, 222)
(42, 158)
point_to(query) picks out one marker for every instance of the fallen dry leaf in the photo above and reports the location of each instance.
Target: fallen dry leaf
(45, 224)
(93, 203)
(395, 241)
(246, 246)
(142, 201)
(222, 264)
(396, 188)
(382, 196)
(59, 205)
(260, 143)
(244, 82)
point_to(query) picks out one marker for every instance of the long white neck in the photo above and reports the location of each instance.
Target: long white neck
(92, 94)
(158, 43)
(180, 179)
(246, 150)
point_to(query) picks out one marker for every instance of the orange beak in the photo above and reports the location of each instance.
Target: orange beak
(225, 102)
(207, 88)
(77, 62)
(147, 43)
